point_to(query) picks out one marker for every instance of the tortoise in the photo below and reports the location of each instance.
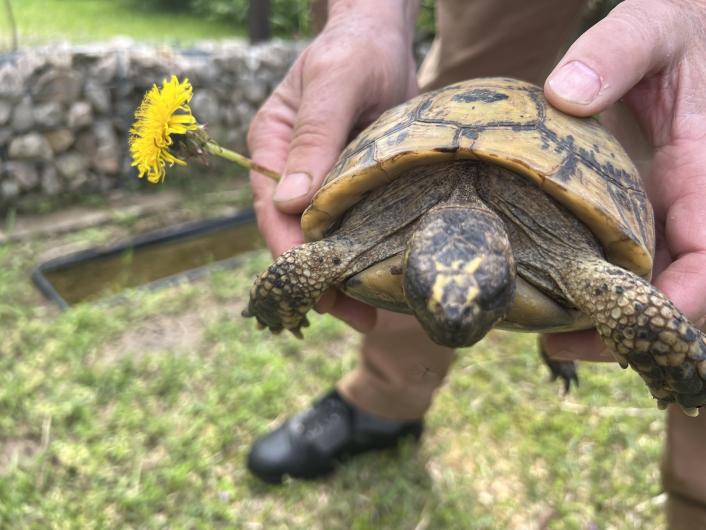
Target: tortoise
(480, 205)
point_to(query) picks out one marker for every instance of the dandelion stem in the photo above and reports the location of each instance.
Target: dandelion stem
(239, 159)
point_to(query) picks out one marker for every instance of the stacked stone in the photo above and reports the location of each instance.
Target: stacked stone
(65, 112)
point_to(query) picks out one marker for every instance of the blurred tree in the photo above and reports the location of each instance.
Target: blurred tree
(287, 17)
(426, 20)
(13, 25)
(299, 17)
(596, 10)
(259, 20)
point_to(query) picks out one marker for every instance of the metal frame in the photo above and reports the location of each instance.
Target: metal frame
(157, 237)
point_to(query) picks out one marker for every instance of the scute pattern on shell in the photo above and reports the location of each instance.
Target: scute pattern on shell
(509, 123)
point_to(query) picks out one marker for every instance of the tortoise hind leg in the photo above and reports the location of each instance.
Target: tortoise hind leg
(643, 329)
(564, 370)
(283, 294)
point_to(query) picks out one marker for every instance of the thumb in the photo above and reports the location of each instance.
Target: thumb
(327, 111)
(636, 39)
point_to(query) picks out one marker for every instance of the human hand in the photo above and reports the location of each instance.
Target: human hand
(360, 65)
(652, 54)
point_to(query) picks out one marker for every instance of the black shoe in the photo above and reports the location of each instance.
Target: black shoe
(310, 444)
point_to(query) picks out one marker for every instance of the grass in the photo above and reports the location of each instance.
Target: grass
(140, 415)
(42, 21)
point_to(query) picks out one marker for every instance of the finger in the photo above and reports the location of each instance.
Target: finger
(684, 282)
(683, 279)
(327, 112)
(280, 231)
(637, 38)
(270, 131)
(327, 301)
(680, 262)
(357, 315)
(268, 142)
(576, 346)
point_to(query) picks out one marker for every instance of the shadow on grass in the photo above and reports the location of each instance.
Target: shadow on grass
(388, 489)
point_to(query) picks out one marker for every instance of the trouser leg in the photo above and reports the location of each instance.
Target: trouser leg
(478, 38)
(684, 471)
(399, 369)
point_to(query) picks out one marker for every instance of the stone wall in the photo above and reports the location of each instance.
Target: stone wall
(65, 112)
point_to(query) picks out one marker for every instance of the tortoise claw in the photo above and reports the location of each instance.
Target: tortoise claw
(261, 325)
(690, 411)
(620, 359)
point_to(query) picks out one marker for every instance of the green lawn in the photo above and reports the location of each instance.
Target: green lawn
(41, 21)
(139, 415)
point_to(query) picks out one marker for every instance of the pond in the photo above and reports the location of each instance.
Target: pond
(152, 260)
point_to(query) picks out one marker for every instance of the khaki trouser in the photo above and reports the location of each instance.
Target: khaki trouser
(400, 368)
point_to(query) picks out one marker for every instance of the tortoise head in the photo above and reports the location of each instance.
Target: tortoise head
(459, 276)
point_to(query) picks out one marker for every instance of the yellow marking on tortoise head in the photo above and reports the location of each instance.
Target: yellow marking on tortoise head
(472, 266)
(456, 274)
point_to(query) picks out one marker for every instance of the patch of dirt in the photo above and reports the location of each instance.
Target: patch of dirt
(182, 333)
(17, 450)
(79, 218)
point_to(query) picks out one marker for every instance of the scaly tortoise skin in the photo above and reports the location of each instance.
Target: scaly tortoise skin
(510, 214)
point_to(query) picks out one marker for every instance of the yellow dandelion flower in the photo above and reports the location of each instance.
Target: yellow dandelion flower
(165, 112)
(162, 113)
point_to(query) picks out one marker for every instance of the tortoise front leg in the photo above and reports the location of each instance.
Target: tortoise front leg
(283, 294)
(643, 329)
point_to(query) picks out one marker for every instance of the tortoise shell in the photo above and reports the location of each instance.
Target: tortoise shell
(506, 122)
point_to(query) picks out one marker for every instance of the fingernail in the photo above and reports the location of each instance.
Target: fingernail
(292, 187)
(575, 82)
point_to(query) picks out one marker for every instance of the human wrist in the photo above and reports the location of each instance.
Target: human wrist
(389, 15)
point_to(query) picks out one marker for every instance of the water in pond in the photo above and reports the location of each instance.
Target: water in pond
(108, 274)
